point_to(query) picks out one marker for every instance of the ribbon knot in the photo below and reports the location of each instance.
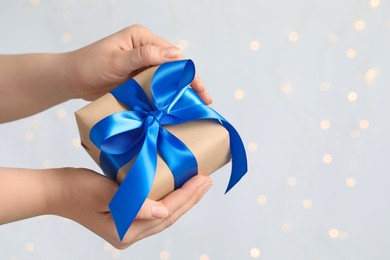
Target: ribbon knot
(123, 135)
(157, 114)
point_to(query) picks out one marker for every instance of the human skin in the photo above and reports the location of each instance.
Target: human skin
(31, 83)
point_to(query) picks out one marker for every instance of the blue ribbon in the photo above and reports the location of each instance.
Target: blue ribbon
(124, 135)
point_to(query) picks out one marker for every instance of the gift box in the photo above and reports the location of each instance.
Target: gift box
(153, 133)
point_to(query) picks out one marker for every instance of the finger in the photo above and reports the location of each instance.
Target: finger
(147, 218)
(190, 193)
(146, 56)
(198, 86)
(141, 36)
(180, 201)
(152, 210)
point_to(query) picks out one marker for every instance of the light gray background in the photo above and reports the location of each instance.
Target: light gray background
(291, 204)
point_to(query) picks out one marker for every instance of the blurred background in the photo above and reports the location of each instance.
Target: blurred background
(305, 82)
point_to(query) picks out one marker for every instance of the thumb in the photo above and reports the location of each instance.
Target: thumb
(152, 210)
(149, 55)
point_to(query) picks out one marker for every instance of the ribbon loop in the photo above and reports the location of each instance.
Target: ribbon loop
(123, 135)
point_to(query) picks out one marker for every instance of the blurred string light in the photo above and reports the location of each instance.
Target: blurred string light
(182, 44)
(359, 25)
(204, 257)
(164, 255)
(333, 233)
(35, 2)
(252, 147)
(254, 45)
(336, 233)
(351, 53)
(307, 203)
(76, 142)
(333, 38)
(239, 94)
(293, 36)
(66, 37)
(325, 124)
(61, 113)
(355, 133)
(375, 3)
(352, 96)
(364, 124)
(30, 246)
(286, 227)
(324, 86)
(287, 89)
(291, 181)
(350, 182)
(261, 200)
(29, 136)
(255, 252)
(371, 74)
(327, 158)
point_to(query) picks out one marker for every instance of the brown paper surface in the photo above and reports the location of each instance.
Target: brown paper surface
(207, 140)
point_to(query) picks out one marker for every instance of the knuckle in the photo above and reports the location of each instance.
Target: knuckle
(146, 53)
(137, 27)
(169, 221)
(137, 30)
(125, 243)
(120, 245)
(192, 195)
(142, 215)
(197, 197)
(115, 61)
(117, 65)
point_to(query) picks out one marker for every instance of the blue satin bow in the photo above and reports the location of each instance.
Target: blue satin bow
(123, 135)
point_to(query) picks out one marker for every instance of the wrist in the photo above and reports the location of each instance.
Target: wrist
(69, 75)
(78, 75)
(23, 194)
(55, 185)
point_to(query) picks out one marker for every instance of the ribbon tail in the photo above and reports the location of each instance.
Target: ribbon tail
(171, 148)
(239, 160)
(136, 186)
(237, 149)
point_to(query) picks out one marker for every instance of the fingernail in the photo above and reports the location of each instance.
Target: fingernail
(207, 185)
(209, 97)
(159, 211)
(203, 89)
(171, 52)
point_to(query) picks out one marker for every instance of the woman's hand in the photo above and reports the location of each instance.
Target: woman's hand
(31, 83)
(83, 196)
(103, 65)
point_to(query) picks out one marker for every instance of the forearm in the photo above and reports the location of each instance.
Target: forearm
(23, 194)
(30, 83)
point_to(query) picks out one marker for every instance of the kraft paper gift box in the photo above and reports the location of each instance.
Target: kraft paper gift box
(210, 141)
